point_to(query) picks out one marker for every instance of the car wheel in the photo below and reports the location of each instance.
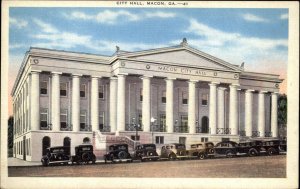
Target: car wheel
(122, 155)
(271, 151)
(229, 154)
(201, 156)
(252, 152)
(172, 157)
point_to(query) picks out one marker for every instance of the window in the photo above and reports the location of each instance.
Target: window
(86, 140)
(140, 120)
(101, 91)
(46, 143)
(225, 139)
(44, 117)
(63, 119)
(182, 140)
(82, 90)
(101, 120)
(135, 138)
(141, 95)
(204, 139)
(184, 98)
(162, 120)
(44, 88)
(159, 139)
(163, 98)
(63, 89)
(204, 99)
(82, 119)
(184, 120)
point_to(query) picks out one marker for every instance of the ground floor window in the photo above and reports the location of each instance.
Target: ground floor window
(135, 138)
(225, 139)
(67, 143)
(182, 140)
(82, 119)
(86, 140)
(204, 139)
(159, 140)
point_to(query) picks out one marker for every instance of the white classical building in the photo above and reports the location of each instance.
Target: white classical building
(172, 94)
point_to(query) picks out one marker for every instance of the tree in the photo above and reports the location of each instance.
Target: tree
(10, 132)
(282, 109)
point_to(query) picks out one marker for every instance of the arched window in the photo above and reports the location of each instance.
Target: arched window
(86, 140)
(204, 124)
(67, 143)
(46, 144)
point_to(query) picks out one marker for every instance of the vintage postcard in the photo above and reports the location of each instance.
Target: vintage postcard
(149, 94)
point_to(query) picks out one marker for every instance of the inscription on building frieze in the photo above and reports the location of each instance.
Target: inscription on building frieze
(183, 70)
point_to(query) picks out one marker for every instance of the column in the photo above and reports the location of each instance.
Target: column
(248, 112)
(113, 104)
(213, 107)
(35, 100)
(274, 114)
(221, 107)
(192, 107)
(146, 113)
(233, 110)
(55, 101)
(261, 113)
(95, 102)
(169, 104)
(76, 102)
(121, 103)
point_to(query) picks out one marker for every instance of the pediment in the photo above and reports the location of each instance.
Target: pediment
(183, 57)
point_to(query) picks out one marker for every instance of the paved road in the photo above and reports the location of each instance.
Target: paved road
(247, 167)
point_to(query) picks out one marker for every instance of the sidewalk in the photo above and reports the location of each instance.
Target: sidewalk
(15, 162)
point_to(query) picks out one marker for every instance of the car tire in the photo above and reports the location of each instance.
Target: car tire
(122, 155)
(229, 154)
(172, 157)
(85, 157)
(201, 156)
(211, 151)
(252, 152)
(271, 151)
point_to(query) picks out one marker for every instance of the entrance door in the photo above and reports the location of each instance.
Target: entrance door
(46, 144)
(204, 124)
(67, 143)
(24, 148)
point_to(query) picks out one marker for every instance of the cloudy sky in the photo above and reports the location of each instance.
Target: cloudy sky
(258, 37)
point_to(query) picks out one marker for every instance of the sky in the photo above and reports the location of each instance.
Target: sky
(258, 37)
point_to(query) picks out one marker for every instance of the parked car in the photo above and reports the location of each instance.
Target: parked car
(271, 147)
(83, 154)
(226, 148)
(282, 146)
(251, 148)
(146, 152)
(201, 150)
(173, 151)
(117, 152)
(56, 155)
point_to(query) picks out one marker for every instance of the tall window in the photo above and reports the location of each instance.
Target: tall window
(141, 94)
(46, 143)
(184, 98)
(101, 91)
(44, 117)
(63, 119)
(82, 90)
(140, 120)
(82, 119)
(101, 120)
(184, 120)
(182, 140)
(44, 88)
(204, 99)
(162, 120)
(163, 98)
(63, 89)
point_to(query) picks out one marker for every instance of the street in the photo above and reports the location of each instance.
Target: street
(239, 167)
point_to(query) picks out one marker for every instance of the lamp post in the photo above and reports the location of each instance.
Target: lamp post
(197, 127)
(176, 121)
(152, 120)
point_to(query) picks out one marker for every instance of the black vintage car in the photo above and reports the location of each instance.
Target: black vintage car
(250, 148)
(282, 146)
(56, 155)
(117, 152)
(270, 147)
(83, 154)
(226, 148)
(145, 152)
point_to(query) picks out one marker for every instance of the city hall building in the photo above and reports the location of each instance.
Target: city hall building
(164, 95)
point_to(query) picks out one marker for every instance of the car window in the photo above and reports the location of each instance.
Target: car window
(200, 145)
(86, 148)
(180, 147)
(167, 147)
(150, 147)
(209, 145)
(193, 146)
(122, 147)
